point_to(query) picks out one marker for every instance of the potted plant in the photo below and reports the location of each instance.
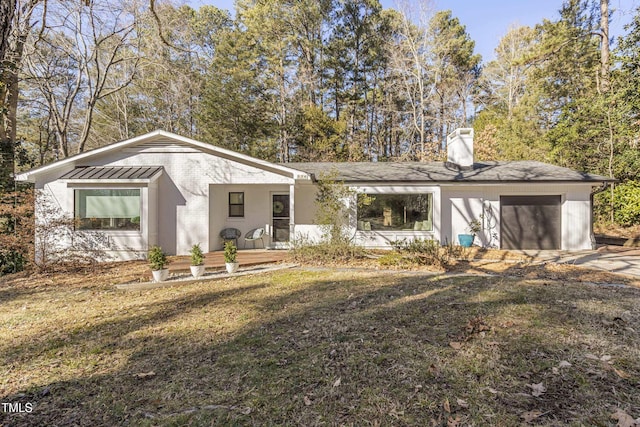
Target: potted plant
(466, 240)
(197, 261)
(158, 261)
(230, 257)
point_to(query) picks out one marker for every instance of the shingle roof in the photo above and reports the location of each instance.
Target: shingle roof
(482, 172)
(112, 172)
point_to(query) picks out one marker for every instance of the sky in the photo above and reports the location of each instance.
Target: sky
(488, 20)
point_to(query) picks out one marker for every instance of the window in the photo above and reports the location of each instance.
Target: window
(395, 212)
(236, 204)
(107, 209)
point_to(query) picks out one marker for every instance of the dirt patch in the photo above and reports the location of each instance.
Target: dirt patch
(617, 231)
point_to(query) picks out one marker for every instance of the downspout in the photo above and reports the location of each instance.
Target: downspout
(600, 189)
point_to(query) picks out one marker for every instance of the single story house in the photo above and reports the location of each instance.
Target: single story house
(172, 191)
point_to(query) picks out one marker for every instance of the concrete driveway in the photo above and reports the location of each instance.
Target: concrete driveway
(615, 259)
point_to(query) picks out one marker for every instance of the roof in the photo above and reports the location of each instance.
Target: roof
(483, 172)
(112, 173)
(33, 174)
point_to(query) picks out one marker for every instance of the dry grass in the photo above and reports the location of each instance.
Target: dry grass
(319, 347)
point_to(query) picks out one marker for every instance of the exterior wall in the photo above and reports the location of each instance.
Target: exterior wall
(257, 211)
(188, 203)
(456, 205)
(55, 204)
(305, 228)
(462, 203)
(176, 208)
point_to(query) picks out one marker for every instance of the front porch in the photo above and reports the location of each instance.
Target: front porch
(246, 207)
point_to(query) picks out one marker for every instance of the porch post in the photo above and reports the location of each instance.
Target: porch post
(292, 204)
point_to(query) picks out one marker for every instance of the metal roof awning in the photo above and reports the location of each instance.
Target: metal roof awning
(113, 174)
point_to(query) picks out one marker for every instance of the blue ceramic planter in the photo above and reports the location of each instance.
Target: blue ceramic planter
(465, 240)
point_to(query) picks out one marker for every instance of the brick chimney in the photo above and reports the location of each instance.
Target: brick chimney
(460, 148)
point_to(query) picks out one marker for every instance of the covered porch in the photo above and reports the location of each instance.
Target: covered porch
(276, 209)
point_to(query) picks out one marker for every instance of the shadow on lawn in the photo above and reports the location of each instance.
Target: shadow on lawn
(373, 350)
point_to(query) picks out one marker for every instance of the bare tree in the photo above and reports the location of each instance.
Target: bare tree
(7, 8)
(604, 45)
(83, 54)
(15, 26)
(503, 79)
(410, 59)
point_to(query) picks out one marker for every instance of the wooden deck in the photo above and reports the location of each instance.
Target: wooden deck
(215, 260)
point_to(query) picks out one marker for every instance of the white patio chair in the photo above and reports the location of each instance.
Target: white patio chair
(253, 236)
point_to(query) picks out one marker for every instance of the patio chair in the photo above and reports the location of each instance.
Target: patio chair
(253, 235)
(230, 234)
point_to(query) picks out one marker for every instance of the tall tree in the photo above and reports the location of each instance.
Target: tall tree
(236, 112)
(167, 90)
(626, 104)
(604, 46)
(454, 66)
(504, 79)
(511, 123)
(410, 58)
(71, 61)
(15, 26)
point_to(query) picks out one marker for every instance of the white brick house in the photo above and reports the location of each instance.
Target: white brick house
(168, 190)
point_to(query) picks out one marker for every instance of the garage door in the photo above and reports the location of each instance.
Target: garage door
(530, 222)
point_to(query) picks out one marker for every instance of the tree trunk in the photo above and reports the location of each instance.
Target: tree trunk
(7, 9)
(7, 94)
(604, 45)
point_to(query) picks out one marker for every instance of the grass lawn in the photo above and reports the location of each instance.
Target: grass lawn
(319, 348)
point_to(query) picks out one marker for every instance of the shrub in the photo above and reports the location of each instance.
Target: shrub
(326, 252)
(626, 204)
(421, 252)
(157, 258)
(230, 252)
(197, 257)
(11, 261)
(393, 259)
(16, 230)
(333, 199)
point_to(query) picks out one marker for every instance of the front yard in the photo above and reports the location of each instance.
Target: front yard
(304, 347)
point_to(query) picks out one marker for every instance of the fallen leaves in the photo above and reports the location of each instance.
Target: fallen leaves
(537, 390)
(455, 345)
(607, 364)
(143, 375)
(337, 382)
(454, 422)
(624, 419)
(530, 416)
(462, 403)
(446, 406)
(562, 365)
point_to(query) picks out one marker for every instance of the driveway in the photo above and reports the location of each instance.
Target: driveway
(615, 259)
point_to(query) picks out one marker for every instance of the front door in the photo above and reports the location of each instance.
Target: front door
(280, 217)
